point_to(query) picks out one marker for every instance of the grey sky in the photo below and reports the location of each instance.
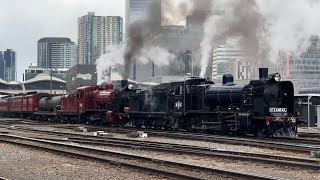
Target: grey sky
(24, 22)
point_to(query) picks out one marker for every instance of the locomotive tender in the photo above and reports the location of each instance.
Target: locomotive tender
(264, 107)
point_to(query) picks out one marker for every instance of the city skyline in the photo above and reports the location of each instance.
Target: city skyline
(42, 18)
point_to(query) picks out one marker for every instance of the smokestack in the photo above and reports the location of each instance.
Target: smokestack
(263, 73)
(124, 83)
(227, 79)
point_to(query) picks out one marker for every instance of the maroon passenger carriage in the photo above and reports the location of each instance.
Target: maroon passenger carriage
(24, 105)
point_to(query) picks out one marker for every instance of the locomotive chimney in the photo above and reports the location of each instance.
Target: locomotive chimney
(263, 73)
(227, 79)
(124, 83)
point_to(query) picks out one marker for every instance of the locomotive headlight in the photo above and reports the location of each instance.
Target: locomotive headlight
(292, 119)
(130, 86)
(277, 77)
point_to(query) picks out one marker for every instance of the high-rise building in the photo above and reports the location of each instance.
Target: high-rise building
(56, 52)
(138, 10)
(9, 65)
(229, 58)
(95, 33)
(1, 66)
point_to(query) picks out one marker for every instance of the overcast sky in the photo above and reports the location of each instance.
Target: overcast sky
(24, 22)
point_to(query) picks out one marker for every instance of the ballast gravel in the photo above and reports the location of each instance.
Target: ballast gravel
(21, 163)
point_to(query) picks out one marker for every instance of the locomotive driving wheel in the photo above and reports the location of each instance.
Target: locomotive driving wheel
(157, 124)
(148, 123)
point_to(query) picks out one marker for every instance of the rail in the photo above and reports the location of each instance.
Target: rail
(102, 156)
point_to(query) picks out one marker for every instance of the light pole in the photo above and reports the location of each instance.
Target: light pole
(309, 97)
(50, 77)
(64, 92)
(110, 72)
(191, 55)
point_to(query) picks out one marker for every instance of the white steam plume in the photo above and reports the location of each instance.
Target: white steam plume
(156, 54)
(233, 19)
(264, 27)
(174, 12)
(292, 23)
(114, 58)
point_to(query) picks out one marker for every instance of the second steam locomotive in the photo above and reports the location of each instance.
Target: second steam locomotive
(263, 107)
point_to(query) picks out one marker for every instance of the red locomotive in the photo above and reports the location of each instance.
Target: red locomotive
(89, 104)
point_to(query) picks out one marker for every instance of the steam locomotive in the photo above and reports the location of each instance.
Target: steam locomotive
(264, 107)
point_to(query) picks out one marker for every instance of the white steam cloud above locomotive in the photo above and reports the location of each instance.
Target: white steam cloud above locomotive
(264, 27)
(140, 47)
(114, 58)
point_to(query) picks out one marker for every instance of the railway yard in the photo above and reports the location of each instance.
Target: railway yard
(45, 150)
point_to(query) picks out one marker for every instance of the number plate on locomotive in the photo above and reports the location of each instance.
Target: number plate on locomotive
(277, 109)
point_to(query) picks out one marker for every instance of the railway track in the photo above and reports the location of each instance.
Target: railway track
(301, 145)
(171, 169)
(179, 148)
(202, 151)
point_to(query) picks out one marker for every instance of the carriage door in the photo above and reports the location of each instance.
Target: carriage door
(178, 98)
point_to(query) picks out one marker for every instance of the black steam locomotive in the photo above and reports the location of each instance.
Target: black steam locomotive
(264, 107)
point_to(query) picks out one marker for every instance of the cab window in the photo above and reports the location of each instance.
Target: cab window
(178, 90)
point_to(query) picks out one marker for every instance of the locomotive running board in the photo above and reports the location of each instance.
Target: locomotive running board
(289, 133)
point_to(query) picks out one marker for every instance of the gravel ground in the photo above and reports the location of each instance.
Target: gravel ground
(309, 130)
(24, 164)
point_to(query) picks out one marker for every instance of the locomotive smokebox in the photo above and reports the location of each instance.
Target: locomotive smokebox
(227, 79)
(263, 73)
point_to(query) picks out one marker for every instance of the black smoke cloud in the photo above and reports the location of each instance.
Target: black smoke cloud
(139, 33)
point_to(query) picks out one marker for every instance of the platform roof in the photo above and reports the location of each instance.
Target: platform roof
(43, 77)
